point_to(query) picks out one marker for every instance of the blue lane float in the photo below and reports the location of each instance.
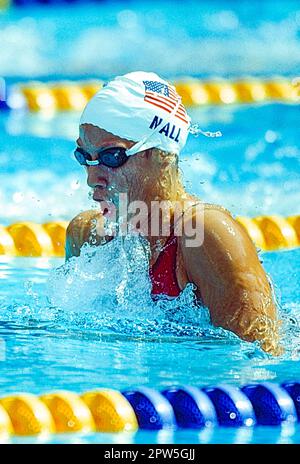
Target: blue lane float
(3, 105)
(272, 404)
(152, 409)
(293, 389)
(192, 407)
(3, 95)
(232, 406)
(222, 405)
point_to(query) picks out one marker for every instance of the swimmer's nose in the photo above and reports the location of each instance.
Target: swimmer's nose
(95, 178)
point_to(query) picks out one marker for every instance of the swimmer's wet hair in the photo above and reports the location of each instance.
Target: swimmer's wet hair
(163, 156)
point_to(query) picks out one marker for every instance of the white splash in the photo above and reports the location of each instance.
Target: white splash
(111, 283)
(195, 130)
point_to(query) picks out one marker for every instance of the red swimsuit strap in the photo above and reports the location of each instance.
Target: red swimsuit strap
(163, 271)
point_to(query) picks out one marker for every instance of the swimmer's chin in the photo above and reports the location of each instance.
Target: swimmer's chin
(107, 208)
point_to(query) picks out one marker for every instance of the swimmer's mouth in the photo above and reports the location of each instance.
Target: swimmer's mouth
(98, 191)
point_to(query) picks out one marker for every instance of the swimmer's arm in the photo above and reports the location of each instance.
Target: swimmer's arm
(232, 281)
(82, 230)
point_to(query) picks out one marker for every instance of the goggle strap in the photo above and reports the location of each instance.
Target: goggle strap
(137, 147)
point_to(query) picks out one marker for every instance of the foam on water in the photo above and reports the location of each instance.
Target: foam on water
(110, 285)
(108, 288)
(105, 294)
(100, 303)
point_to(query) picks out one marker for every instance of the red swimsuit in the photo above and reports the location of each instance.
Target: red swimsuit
(163, 272)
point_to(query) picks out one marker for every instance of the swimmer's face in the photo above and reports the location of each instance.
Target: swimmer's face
(107, 183)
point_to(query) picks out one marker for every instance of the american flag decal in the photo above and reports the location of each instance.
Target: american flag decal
(164, 97)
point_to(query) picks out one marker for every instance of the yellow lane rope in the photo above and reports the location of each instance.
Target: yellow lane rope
(73, 96)
(102, 410)
(30, 239)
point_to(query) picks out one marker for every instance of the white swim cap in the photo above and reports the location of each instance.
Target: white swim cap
(142, 107)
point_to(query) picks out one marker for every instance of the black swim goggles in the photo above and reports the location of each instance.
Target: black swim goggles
(112, 157)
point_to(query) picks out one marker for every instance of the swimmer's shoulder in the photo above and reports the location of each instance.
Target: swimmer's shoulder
(215, 220)
(223, 219)
(209, 211)
(214, 214)
(86, 227)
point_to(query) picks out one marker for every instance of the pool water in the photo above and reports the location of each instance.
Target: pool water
(257, 159)
(83, 329)
(174, 38)
(80, 327)
(45, 348)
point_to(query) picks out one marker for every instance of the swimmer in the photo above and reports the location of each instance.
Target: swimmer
(130, 137)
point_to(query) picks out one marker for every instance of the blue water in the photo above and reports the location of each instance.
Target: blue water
(73, 343)
(175, 38)
(60, 331)
(44, 348)
(257, 159)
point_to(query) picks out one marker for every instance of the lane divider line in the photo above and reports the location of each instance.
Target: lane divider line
(58, 96)
(144, 408)
(30, 239)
